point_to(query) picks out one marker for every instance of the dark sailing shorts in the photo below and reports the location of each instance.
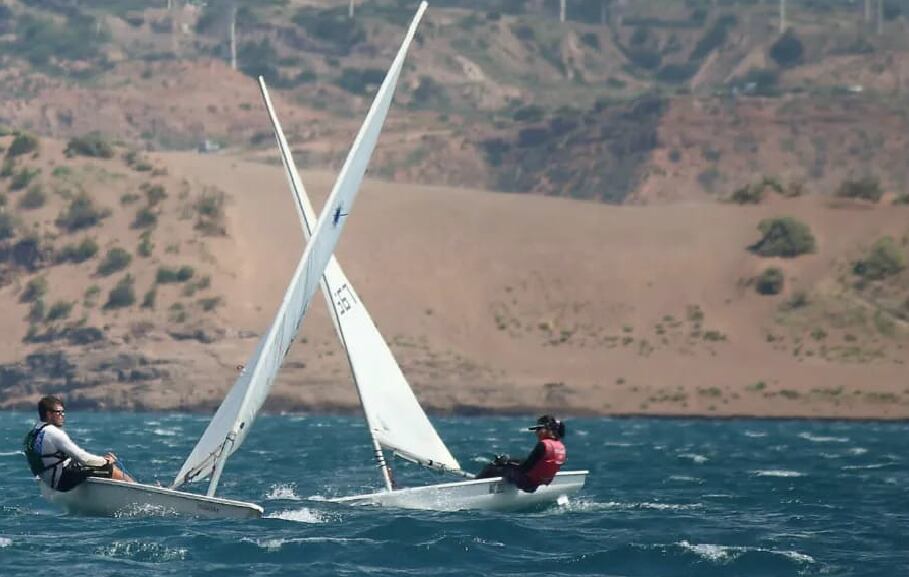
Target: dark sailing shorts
(74, 473)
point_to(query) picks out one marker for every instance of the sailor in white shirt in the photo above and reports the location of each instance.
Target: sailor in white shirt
(54, 457)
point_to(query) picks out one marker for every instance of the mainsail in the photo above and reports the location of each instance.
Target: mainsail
(231, 423)
(393, 413)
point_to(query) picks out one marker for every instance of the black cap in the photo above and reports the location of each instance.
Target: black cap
(545, 422)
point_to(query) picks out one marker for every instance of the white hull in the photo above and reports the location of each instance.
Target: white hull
(486, 494)
(109, 498)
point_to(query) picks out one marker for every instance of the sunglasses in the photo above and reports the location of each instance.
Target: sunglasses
(57, 412)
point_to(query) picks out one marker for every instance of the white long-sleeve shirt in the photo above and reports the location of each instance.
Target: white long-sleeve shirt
(53, 439)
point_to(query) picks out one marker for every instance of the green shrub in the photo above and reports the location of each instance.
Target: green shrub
(360, 81)
(901, 200)
(90, 298)
(168, 275)
(33, 198)
(209, 304)
(145, 218)
(210, 210)
(81, 214)
(749, 194)
(22, 144)
(59, 311)
(128, 198)
(154, 194)
(770, 282)
(9, 166)
(93, 145)
(885, 259)
(23, 177)
(785, 237)
(148, 301)
(866, 188)
(36, 311)
(122, 295)
(116, 260)
(34, 290)
(788, 50)
(8, 224)
(146, 246)
(78, 253)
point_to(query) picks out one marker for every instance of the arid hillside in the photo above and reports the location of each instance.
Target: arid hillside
(490, 302)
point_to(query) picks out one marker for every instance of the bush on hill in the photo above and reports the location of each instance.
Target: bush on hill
(8, 224)
(92, 145)
(23, 177)
(885, 259)
(865, 188)
(78, 253)
(122, 295)
(115, 260)
(784, 237)
(788, 50)
(34, 198)
(59, 311)
(81, 214)
(34, 289)
(23, 144)
(770, 282)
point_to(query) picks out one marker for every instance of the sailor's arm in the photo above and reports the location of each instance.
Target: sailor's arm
(67, 446)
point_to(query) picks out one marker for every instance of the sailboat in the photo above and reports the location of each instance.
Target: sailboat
(395, 420)
(233, 420)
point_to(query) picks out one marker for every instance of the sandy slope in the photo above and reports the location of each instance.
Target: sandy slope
(506, 302)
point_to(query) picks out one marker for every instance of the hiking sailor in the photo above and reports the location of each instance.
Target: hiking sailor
(540, 466)
(59, 462)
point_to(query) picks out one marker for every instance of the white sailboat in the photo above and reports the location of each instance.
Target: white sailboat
(233, 419)
(394, 417)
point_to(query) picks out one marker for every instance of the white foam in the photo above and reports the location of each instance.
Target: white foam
(755, 434)
(857, 451)
(815, 439)
(5, 542)
(870, 466)
(10, 453)
(165, 432)
(304, 515)
(777, 473)
(699, 459)
(283, 492)
(722, 553)
(684, 478)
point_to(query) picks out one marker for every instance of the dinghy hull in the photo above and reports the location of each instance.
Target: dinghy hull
(109, 498)
(484, 494)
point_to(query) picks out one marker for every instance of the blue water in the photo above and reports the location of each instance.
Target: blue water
(665, 497)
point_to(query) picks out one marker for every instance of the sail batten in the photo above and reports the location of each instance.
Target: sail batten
(393, 414)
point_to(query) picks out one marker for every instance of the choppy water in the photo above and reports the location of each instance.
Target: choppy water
(665, 497)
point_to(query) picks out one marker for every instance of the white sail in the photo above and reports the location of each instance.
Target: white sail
(232, 421)
(393, 413)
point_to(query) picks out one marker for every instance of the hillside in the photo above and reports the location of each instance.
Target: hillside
(687, 138)
(490, 302)
(649, 101)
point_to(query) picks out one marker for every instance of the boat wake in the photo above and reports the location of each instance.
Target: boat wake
(303, 515)
(282, 492)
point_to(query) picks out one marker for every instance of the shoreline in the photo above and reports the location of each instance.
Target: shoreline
(517, 413)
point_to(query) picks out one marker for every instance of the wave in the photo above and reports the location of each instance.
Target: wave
(685, 478)
(5, 542)
(586, 505)
(857, 451)
(755, 434)
(815, 439)
(282, 492)
(869, 466)
(166, 432)
(10, 453)
(304, 515)
(143, 552)
(777, 473)
(695, 458)
(722, 553)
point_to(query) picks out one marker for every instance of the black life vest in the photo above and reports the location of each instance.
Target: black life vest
(32, 449)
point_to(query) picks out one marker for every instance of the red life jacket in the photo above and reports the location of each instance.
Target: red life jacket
(546, 468)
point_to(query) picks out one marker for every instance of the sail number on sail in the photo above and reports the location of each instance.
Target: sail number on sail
(343, 298)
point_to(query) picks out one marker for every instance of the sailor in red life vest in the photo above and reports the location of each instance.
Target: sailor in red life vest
(541, 464)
